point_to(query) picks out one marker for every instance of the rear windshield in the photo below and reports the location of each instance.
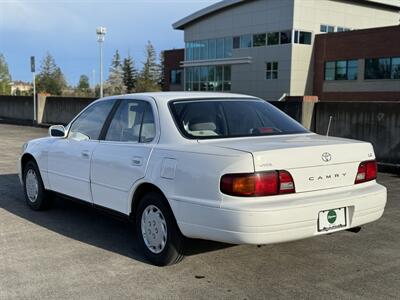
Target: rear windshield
(226, 118)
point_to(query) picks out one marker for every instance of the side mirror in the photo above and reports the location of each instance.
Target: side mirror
(57, 131)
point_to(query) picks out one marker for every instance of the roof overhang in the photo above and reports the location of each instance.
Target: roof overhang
(181, 24)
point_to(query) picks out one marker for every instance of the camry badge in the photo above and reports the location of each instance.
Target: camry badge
(326, 157)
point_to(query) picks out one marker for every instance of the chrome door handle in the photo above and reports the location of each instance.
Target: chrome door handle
(137, 161)
(85, 154)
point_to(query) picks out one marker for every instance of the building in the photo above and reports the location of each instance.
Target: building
(362, 65)
(265, 47)
(21, 88)
(173, 71)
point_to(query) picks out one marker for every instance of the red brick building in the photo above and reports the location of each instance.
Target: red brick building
(173, 72)
(360, 65)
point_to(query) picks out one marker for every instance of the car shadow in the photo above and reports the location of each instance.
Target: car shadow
(84, 223)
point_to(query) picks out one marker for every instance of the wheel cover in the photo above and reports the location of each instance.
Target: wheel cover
(31, 185)
(154, 229)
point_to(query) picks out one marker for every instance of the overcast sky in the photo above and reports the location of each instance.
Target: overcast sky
(66, 28)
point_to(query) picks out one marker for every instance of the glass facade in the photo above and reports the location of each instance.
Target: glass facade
(341, 70)
(382, 68)
(208, 78)
(209, 49)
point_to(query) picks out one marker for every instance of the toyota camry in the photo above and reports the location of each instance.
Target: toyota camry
(223, 167)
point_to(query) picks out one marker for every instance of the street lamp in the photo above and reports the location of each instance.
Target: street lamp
(101, 32)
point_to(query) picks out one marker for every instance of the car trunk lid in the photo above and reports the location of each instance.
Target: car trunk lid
(315, 162)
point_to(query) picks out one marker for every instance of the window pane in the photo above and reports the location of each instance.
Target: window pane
(296, 36)
(236, 42)
(331, 29)
(275, 75)
(273, 38)
(89, 124)
(220, 48)
(203, 74)
(228, 47)
(245, 41)
(211, 73)
(218, 73)
(352, 69)
(341, 70)
(196, 74)
(204, 49)
(259, 40)
(227, 73)
(305, 38)
(212, 49)
(377, 68)
(275, 66)
(330, 70)
(323, 28)
(286, 37)
(269, 66)
(395, 68)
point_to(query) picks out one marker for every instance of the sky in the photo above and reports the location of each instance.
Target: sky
(67, 30)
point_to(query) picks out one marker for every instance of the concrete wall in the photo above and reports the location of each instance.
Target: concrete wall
(375, 122)
(51, 110)
(61, 110)
(18, 109)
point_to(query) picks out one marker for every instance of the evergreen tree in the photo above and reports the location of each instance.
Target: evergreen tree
(150, 75)
(5, 77)
(115, 81)
(130, 74)
(162, 69)
(83, 87)
(50, 78)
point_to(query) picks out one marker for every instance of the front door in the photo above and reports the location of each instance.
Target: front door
(69, 158)
(121, 158)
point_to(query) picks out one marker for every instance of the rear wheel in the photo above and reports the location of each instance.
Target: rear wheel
(35, 194)
(158, 234)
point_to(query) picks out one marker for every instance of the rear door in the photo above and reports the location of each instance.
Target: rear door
(121, 157)
(69, 158)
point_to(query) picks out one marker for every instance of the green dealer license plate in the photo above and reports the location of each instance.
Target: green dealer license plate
(332, 219)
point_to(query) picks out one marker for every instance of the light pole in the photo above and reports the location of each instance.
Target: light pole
(101, 32)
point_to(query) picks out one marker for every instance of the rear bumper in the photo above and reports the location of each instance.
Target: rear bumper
(266, 221)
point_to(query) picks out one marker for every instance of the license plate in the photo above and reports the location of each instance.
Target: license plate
(332, 219)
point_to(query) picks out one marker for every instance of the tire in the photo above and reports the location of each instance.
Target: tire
(36, 196)
(157, 231)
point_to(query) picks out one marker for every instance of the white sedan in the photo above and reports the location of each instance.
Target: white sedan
(222, 167)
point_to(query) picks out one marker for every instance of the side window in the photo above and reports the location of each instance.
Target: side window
(89, 124)
(133, 122)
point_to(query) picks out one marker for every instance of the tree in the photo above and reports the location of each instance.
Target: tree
(115, 81)
(130, 74)
(162, 69)
(150, 75)
(50, 78)
(5, 77)
(83, 87)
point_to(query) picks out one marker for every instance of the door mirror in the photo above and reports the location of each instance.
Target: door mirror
(57, 131)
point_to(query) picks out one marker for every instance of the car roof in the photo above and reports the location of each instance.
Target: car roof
(167, 96)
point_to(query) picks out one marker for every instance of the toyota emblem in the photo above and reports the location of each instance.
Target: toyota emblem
(326, 157)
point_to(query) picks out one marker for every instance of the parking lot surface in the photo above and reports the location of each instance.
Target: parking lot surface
(74, 252)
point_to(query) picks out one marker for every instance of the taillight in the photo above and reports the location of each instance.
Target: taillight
(257, 184)
(367, 171)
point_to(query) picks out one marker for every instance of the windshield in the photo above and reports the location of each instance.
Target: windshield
(225, 118)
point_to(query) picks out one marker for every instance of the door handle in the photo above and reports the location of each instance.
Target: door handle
(85, 154)
(137, 161)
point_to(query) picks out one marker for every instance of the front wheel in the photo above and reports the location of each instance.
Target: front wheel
(35, 194)
(157, 231)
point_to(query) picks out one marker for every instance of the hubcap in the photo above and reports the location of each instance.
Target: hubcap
(154, 229)
(31, 185)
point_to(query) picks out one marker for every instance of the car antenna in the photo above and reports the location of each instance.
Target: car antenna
(329, 125)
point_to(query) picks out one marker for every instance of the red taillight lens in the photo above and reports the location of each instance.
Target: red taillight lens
(367, 171)
(257, 184)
